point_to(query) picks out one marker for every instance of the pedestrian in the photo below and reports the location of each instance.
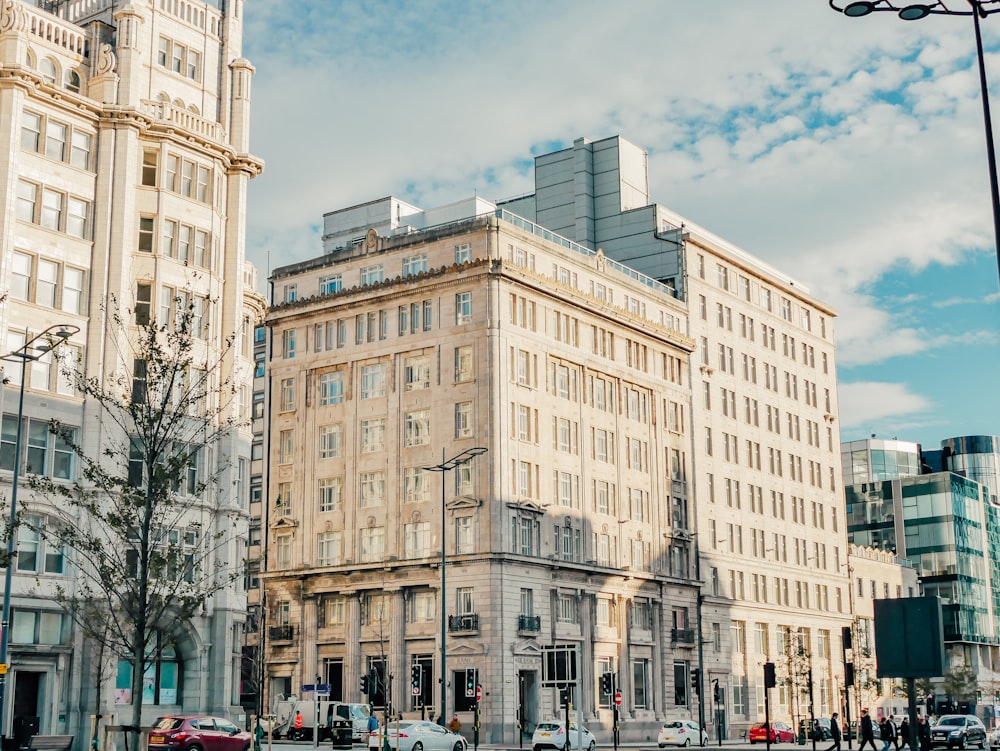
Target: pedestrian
(904, 733)
(455, 725)
(372, 720)
(834, 732)
(867, 731)
(885, 733)
(895, 732)
(924, 734)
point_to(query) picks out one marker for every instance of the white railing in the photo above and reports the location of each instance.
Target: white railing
(170, 113)
(52, 29)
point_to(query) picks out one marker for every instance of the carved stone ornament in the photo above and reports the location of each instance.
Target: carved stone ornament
(10, 15)
(106, 60)
(371, 239)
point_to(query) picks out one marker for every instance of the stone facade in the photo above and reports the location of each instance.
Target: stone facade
(125, 158)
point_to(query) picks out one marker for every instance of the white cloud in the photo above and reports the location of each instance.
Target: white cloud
(864, 404)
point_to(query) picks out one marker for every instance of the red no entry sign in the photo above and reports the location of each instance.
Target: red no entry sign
(618, 698)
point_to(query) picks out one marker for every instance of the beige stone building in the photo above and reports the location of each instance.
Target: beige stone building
(125, 160)
(765, 451)
(419, 336)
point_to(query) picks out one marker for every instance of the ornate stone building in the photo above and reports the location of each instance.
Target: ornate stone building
(124, 153)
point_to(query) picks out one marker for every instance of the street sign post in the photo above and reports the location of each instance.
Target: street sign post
(618, 698)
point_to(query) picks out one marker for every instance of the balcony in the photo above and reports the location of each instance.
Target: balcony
(682, 636)
(466, 623)
(281, 633)
(532, 623)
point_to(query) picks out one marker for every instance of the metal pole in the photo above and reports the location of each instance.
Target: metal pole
(988, 123)
(444, 609)
(701, 668)
(11, 548)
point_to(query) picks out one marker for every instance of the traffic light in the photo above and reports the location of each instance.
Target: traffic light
(716, 692)
(607, 683)
(470, 682)
(696, 680)
(364, 684)
(416, 673)
(770, 680)
(848, 673)
(373, 681)
(845, 636)
(930, 705)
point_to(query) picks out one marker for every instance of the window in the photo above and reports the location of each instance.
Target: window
(31, 131)
(55, 140)
(330, 493)
(372, 488)
(287, 394)
(27, 200)
(372, 435)
(331, 441)
(463, 364)
(143, 303)
(331, 388)
(421, 608)
(372, 544)
(463, 254)
(416, 485)
(464, 539)
(35, 554)
(463, 308)
(286, 446)
(328, 548)
(162, 678)
(416, 540)
(77, 213)
(37, 627)
(463, 420)
(567, 610)
(416, 373)
(415, 265)
(150, 160)
(372, 381)
(372, 274)
(52, 209)
(288, 344)
(417, 428)
(331, 284)
(80, 148)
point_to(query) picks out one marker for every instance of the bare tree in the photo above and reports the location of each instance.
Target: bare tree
(144, 521)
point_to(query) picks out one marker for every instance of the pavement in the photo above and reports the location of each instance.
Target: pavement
(286, 745)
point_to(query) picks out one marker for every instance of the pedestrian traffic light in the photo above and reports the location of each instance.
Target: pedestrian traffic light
(696, 680)
(415, 676)
(770, 680)
(607, 683)
(470, 682)
(364, 684)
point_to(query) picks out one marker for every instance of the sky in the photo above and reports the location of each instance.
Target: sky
(848, 152)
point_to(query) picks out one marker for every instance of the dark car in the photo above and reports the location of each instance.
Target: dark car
(958, 731)
(196, 733)
(823, 726)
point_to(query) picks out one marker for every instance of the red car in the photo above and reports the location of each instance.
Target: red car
(197, 733)
(780, 733)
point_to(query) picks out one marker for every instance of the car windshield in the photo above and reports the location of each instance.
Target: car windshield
(167, 723)
(952, 721)
(360, 711)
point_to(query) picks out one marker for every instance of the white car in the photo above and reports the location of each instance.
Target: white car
(416, 735)
(552, 734)
(681, 733)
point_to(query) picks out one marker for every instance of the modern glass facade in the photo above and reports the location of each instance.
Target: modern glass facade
(976, 457)
(939, 522)
(873, 460)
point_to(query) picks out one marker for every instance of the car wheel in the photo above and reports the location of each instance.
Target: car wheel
(687, 742)
(194, 747)
(458, 746)
(418, 746)
(592, 746)
(961, 743)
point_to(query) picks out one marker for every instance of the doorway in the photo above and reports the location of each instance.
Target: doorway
(527, 701)
(29, 688)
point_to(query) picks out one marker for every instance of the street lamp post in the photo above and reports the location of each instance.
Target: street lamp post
(447, 465)
(34, 349)
(914, 11)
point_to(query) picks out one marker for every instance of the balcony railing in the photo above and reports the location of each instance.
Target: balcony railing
(465, 622)
(281, 633)
(529, 623)
(682, 636)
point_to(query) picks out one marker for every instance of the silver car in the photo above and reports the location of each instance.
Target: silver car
(959, 731)
(416, 735)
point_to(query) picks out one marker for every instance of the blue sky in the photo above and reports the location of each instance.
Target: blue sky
(848, 152)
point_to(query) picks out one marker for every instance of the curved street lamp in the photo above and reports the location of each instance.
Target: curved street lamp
(915, 11)
(447, 465)
(40, 345)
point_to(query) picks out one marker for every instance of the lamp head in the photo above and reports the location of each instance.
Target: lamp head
(914, 12)
(859, 8)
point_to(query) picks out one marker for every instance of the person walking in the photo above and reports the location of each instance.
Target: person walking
(904, 733)
(867, 731)
(834, 732)
(885, 733)
(924, 734)
(895, 732)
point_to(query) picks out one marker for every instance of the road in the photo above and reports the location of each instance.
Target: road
(738, 743)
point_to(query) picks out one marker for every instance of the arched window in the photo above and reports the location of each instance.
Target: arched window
(72, 81)
(161, 681)
(48, 70)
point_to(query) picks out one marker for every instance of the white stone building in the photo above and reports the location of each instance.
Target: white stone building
(766, 448)
(416, 337)
(125, 159)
